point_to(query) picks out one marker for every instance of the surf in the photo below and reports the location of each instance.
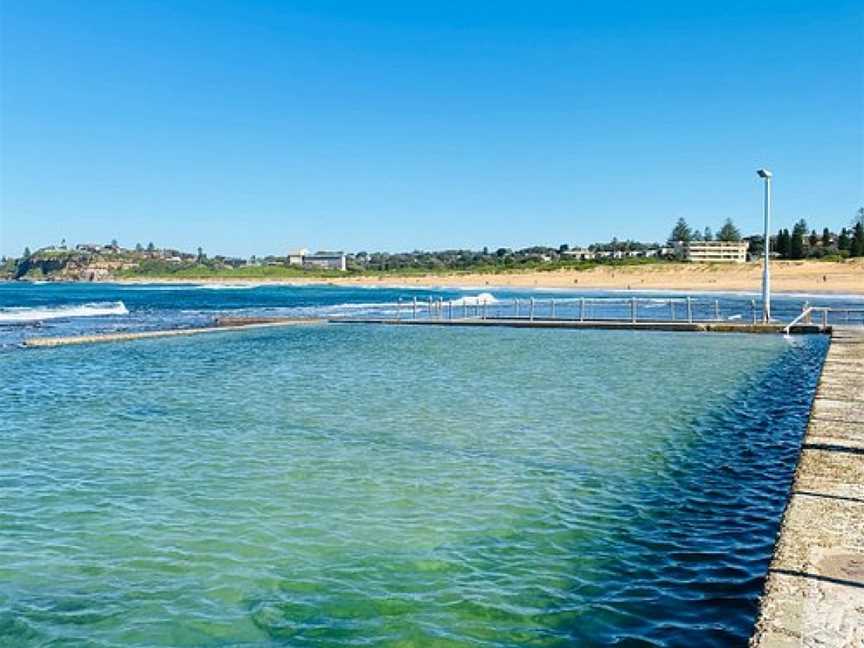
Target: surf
(39, 313)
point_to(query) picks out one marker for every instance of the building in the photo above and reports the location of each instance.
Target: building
(325, 261)
(317, 261)
(582, 254)
(714, 251)
(295, 257)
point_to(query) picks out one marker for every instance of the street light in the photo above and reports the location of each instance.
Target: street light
(766, 175)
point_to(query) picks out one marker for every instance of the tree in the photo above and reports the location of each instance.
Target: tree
(27, 254)
(856, 248)
(114, 243)
(151, 247)
(708, 235)
(139, 247)
(728, 232)
(681, 232)
(563, 248)
(813, 240)
(826, 238)
(843, 241)
(796, 245)
(783, 244)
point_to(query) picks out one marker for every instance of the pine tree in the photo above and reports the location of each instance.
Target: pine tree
(729, 232)
(796, 245)
(708, 235)
(843, 240)
(786, 244)
(813, 241)
(857, 247)
(826, 238)
(681, 232)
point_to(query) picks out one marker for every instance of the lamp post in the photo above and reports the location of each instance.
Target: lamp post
(766, 175)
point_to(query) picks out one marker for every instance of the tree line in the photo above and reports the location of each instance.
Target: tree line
(800, 242)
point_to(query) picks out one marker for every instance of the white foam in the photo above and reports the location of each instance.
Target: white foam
(38, 313)
(476, 300)
(226, 286)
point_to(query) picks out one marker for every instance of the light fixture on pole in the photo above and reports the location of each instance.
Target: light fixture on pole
(766, 175)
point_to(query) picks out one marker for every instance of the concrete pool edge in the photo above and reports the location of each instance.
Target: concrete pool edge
(814, 590)
(227, 324)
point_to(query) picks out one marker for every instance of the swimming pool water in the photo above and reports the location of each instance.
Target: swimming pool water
(346, 485)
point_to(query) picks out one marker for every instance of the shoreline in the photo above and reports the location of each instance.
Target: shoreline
(805, 277)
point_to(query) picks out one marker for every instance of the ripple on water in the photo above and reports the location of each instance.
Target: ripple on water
(374, 486)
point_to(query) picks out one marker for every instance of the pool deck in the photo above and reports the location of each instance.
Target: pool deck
(608, 324)
(814, 593)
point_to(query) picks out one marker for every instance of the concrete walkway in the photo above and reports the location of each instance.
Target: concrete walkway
(814, 594)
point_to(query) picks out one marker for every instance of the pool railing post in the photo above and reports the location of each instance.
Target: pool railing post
(717, 309)
(633, 309)
(553, 309)
(414, 308)
(399, 309)
(516, 306)
(672, 309)
(581, 309)
(531, 311)
(689, 310)
(753, 310)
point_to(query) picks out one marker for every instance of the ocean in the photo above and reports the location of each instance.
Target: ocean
(350, 485)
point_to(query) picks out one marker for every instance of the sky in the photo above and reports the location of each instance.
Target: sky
(254, 126)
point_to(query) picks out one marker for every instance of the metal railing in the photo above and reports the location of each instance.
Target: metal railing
(629, 309)
(825, 312)
(616, 309)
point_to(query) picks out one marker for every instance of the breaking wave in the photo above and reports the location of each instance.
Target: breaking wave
(37, 313)
(476, 300)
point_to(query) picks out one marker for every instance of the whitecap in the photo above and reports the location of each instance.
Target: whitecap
(38, 313)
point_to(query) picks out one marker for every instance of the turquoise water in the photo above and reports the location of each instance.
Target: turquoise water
(371, 486)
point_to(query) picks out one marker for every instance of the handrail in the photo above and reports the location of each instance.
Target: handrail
(626, 308)
(804, 313)
(808, 313)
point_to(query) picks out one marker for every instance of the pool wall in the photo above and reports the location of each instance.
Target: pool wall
(814, 592)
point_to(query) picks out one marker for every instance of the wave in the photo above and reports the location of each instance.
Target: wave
(226, 286)
(38, 313)
(476, 300)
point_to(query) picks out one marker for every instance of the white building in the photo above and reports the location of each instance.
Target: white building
(582, 254)
(325, 261)
(317, 261)
(714, 251)
(295, 257)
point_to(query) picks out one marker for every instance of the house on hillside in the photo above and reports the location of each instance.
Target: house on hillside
(317, 261)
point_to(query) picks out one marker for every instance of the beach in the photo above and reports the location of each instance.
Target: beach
(846, 277)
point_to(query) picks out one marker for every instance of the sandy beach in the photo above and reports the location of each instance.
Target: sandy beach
(845, 277)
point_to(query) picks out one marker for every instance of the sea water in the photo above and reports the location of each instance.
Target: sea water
(351, 485)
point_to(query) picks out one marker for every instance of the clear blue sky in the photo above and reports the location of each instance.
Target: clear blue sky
(249, 126)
